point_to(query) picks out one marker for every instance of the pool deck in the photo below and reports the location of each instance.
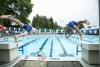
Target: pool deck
(25, 63)
(39, 63)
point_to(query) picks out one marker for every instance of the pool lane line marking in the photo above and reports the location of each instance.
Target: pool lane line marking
(84, 40)
(4, 41)
(26, 45)
(74, 42)
(51, 49)
(41, 48)
(78, 44)
(29, 42)
(61, 45)
(44, 44)
(64, 51)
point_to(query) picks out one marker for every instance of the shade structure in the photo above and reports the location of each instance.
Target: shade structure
(52, 31)
(16, 29)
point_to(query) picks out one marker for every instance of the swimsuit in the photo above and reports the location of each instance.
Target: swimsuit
(27, 27)
(72, 23)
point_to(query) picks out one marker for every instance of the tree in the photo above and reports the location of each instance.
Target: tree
(44, 22)
(56, 25)
(52, 23)
(18, 8)
(3, 5)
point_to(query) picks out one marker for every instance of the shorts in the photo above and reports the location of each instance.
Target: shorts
(72, 23)
(27, 27)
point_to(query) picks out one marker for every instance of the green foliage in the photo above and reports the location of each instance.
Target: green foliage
(20, 9)
(3, 4)
(80, 26)
(44, 22)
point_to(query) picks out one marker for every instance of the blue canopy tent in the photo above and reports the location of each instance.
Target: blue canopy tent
(87, 32)
(82, 31)
(59, 31)
(12, 28)
(92, 31)
(47, 30)
(7, 28)
(21, 29)
(52, 31)
(42, 30)
(98, 31)
(16, 29)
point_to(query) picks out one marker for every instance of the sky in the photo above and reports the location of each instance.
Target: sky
(64, 11)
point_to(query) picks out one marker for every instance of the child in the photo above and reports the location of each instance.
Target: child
(74, 25)
(27, 27)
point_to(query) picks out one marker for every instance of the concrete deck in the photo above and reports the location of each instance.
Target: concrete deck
(18, 62)
(29, 63)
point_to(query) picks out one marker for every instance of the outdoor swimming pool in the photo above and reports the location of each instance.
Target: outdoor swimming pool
(51, 45)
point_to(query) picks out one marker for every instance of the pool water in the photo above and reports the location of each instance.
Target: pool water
(51, 45)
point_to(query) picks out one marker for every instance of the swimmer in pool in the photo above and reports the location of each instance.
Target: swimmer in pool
(27, 27)
(74, 25)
